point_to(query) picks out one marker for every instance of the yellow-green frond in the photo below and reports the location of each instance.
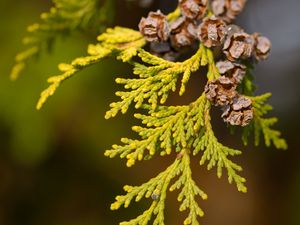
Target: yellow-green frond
(109, 45)
(262, 126)
(64, 18)
(154, 82)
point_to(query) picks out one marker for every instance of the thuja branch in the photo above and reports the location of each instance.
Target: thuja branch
(217, 155)
(154, 82)
(167, 128)
(189, 190)
(122, 42)
(262, 126)
(178, 128)
(63, 18)
(157, 187)
(182, 131)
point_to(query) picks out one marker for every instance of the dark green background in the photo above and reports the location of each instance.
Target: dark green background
(52, 168)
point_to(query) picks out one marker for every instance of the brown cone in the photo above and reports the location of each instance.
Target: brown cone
(235, 71)
(239, 113)
(227, 9)
(238, 46)
(155, 27)
(212, 31)
(193, 9)
(221, 92)
(183, 32)
(262, 47)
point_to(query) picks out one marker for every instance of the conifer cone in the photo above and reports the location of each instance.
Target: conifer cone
(212, 31)
(238, 46)
(235, 71)
(239, 113)
(193, 9)
(155, 27)
(227, 9)
(221, 92)
(183, 32)
(262, 47)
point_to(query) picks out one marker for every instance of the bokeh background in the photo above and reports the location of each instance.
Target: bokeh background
(52, 168)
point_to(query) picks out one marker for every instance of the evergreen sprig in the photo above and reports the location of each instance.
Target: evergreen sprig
(262, 126)
(189, 191)
(167, 128)
(216, 154)
(183, 130)
(119, 41)
(157, 77)
(63, 18)
(157, 188)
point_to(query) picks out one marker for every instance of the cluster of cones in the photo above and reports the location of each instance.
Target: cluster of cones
(210, 22)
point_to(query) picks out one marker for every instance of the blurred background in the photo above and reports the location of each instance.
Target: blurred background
(52, 167)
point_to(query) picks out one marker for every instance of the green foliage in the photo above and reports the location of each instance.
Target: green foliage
(157, 188)
(64, 17)
(179, 127)
(247, 87)
(216, 155)
(119, 41)
(263, 126)
(156, 78)
(184, 130)
(167, 128)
